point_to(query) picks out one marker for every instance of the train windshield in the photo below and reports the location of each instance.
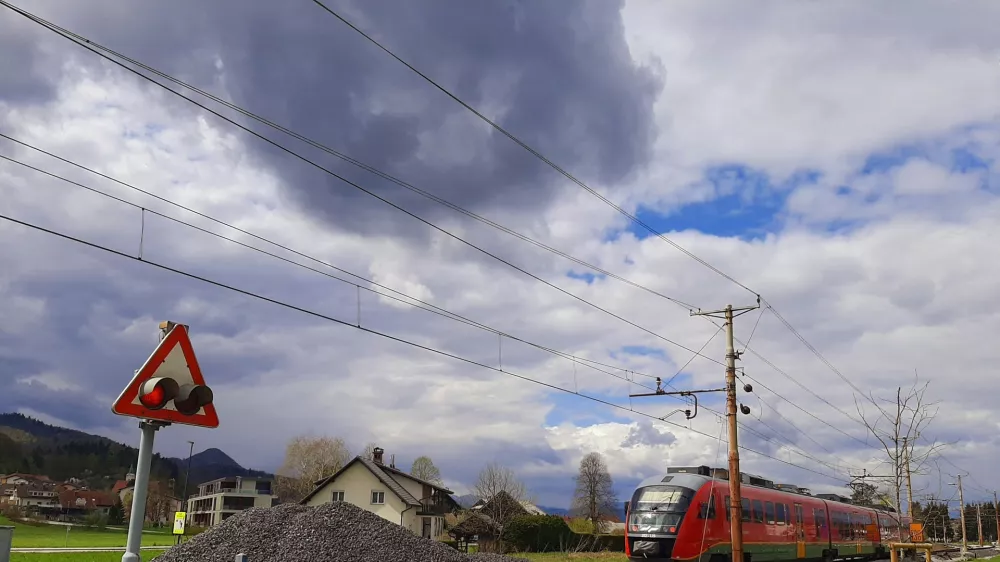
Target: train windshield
(658, 509)
(662, 498)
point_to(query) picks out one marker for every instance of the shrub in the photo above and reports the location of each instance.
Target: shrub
(449, 542)
(95, 519)
(537, 533)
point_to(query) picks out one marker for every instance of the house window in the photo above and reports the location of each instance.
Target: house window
(378, 498)
(338, 496)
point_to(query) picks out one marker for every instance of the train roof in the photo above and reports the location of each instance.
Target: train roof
(696, 477)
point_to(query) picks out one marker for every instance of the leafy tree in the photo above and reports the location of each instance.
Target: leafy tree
(424, 469)
(308, 460)
(595, 490)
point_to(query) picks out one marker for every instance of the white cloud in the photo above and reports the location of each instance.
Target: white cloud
(910, 286)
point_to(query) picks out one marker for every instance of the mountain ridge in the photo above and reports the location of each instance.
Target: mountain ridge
(29, 445)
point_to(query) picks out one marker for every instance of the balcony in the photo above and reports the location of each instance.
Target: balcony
(231, 492)
(433, 506)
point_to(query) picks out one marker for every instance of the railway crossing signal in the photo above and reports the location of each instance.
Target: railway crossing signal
(168, 388)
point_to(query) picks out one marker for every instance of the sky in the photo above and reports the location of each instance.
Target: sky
(838, 160)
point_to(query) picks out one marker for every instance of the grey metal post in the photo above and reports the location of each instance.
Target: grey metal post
(140, 492)
(242, 558)
(6, 540)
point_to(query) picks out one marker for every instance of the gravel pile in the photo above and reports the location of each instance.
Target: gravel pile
(333, 532)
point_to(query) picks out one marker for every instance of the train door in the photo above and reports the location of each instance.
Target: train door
(800, 532)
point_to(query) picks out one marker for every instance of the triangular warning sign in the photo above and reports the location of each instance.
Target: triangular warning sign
(173, 358)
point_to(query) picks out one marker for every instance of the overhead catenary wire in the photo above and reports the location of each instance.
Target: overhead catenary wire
(402, 298)
(635, 219)
(354, 161)
(369, 192)
(531, 150)
(96, 48)
(321, 316)
(405, 297)
(88, 44)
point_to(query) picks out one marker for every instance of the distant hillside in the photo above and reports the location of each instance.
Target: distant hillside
(29, 445)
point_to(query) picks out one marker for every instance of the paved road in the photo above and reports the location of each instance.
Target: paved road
(83, 549)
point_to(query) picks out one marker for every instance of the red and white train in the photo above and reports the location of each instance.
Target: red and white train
(682, 516)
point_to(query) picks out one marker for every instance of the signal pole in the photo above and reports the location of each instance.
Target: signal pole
(735, 502)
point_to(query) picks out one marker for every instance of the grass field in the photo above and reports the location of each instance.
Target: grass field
(56, 536)
(78, 556)
(146, 555)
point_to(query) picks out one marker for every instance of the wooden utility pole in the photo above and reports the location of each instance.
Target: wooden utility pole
(961, 500)
(996, 513)
(979, 522)
(735, 499)
(909, 482)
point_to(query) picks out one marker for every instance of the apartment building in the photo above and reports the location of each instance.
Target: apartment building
(219, 499)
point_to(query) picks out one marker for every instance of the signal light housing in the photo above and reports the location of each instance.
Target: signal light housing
(191, 398)
(188, 399)
(157, 392)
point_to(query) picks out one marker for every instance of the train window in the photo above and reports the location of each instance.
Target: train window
(819, 515)
(769, 512)
(758, 511)
(745, 503)
(729, 512)
(706, 510)
(779, 513)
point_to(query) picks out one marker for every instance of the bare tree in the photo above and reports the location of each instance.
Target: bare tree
(595, 491)
(369, 452)
(308, 460)
(898, 429)
(424, 469)
(503, 494)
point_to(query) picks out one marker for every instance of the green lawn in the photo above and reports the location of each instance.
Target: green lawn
(149, 555)
(74, 557)
(56, 536)
(574, 557)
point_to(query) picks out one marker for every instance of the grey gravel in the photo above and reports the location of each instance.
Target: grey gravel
(333, 532)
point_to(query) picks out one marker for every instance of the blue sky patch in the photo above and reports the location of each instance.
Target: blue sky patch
(747, 205)
(586, 276)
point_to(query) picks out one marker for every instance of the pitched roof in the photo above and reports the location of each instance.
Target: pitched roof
(384, 474)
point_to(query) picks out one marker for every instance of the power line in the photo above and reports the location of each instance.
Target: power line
(346, 158)
(428, 306)
(94, 47)
(534, 152)
(371, 193)
(403, 298)
(586, 187)
(822, 358)
(90, 45)
(322, 316)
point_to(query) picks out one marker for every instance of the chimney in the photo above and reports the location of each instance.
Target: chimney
(392, 460)
(377, 455)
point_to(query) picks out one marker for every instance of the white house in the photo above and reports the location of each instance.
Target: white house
(388, 492)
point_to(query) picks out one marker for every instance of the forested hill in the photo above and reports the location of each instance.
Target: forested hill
(31, 446)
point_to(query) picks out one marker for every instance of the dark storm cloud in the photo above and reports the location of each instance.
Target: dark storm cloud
(560, 75)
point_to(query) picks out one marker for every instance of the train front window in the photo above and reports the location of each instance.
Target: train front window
(662, 499)
(659, 509)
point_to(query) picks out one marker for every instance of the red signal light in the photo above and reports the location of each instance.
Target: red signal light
(155, 393)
